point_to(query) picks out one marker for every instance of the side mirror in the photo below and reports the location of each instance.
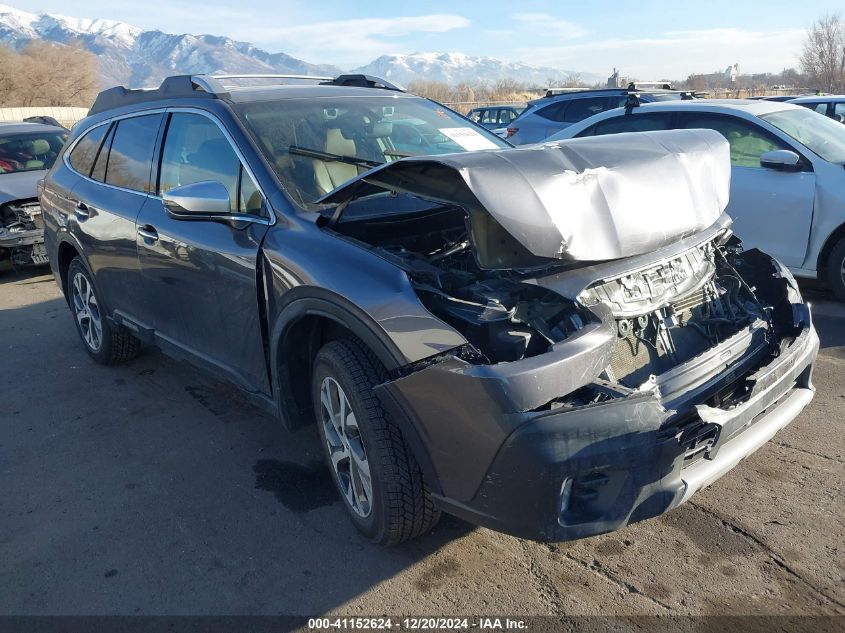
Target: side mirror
(198, 201)
(781, 160)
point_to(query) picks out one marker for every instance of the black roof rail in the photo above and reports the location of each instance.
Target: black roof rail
(215, 87)
(362, 81)
(176, 86)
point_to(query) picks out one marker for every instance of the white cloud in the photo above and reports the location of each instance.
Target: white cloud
(349, 42)
(545, 24)
(676, 54)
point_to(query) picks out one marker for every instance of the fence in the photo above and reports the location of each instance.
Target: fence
(66, 116)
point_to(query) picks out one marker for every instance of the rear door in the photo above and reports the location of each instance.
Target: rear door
(107, 200)
(199, 276)
(772, 210)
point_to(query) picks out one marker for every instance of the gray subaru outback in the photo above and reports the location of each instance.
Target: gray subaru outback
(550, 341)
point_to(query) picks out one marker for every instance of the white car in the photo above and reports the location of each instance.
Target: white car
(787, 179)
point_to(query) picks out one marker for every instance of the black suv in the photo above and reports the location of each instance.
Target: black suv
(473, 328)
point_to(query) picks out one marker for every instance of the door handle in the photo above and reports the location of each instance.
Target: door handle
(148, 232)
(82, 211)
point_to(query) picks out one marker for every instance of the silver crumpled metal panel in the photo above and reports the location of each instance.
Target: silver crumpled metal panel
(588, 199)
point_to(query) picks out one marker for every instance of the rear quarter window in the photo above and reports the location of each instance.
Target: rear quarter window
(85, 151)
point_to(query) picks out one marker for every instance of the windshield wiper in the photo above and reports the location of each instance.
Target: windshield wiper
(393, 152)
(336, 158)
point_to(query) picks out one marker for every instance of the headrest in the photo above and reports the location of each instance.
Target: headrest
(40, 146)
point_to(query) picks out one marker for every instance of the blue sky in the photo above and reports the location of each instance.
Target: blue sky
(645, 39)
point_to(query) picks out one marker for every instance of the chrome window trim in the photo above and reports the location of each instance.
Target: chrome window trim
(233, 217)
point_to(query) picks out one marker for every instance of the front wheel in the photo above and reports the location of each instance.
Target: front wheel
(836, 269)
(104, 343)
(374, 470)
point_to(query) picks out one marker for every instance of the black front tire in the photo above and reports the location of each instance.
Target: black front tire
(401, 507)
(836, 269)
(108, 345)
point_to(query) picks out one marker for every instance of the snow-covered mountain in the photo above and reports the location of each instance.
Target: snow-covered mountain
(134, 57)
(453, 68)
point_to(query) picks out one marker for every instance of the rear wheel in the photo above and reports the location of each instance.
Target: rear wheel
(375, 472)
(105, 344)
(836, 269)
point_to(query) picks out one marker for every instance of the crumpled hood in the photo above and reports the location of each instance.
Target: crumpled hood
(588, 199)
(20, 185)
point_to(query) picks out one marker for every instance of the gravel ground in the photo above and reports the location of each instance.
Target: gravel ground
(152, 489)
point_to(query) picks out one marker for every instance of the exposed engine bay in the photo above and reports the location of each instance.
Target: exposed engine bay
(22, 233)
(664, 314)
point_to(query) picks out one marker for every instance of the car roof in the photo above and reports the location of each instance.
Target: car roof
(747, 106)
(21, 127)
(599, 92)
(193, 88)
(818, 98)
(293, 91)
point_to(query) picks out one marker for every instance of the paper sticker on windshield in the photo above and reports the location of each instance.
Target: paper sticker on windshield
(468, 138)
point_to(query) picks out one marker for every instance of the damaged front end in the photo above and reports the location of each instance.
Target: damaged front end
(589, 394)
(22, 233)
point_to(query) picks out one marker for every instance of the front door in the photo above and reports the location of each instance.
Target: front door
(199, 276)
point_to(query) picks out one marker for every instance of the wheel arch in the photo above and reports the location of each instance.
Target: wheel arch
(65, 254)
(824, 254)
(302, 328)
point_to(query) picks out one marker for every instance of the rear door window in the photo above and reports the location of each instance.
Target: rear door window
(131, 153)
(85, 152)
(553, 111)
(580, 109)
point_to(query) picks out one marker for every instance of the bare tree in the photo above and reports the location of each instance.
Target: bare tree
(44, 74)
(573, 80)
(823, 57)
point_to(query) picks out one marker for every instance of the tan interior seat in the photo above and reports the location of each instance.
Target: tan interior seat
(332, 174)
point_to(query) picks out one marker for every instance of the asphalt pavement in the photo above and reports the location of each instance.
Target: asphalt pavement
(150, 488)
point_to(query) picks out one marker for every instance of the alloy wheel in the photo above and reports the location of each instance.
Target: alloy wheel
(87, 311)
(346, 447)
(842, 270)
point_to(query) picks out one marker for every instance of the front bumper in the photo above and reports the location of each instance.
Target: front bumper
(577, 472)
(17, 239)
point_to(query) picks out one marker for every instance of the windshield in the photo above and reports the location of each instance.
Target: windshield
(29, 152)
(317, 144)
(816, 132)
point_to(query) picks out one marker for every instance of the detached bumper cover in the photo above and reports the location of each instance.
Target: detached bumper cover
(613, 463)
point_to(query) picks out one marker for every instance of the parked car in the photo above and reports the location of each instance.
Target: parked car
(832, 106)
(774, 98)
(557, 111)
(493, 117)
(27, 151)
(787, 187)
(475, 332)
